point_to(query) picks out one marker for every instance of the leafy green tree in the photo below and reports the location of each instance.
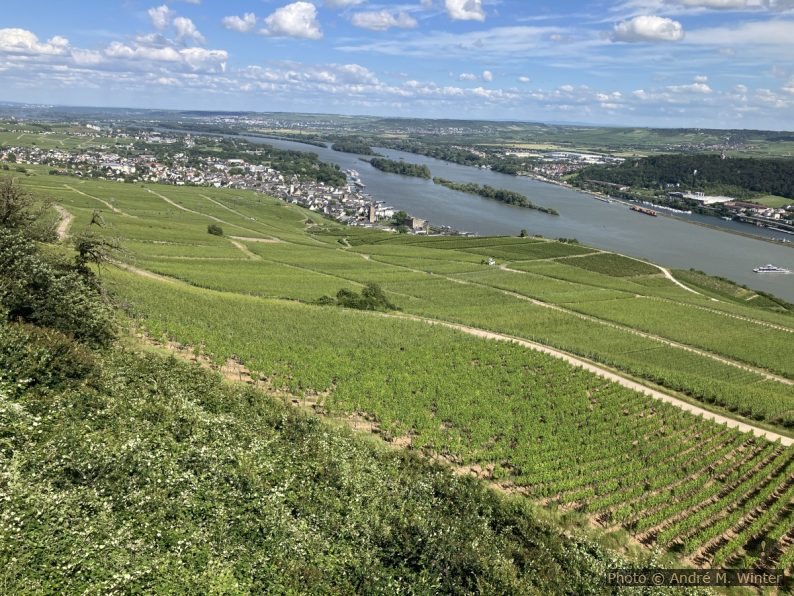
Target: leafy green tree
(215, 230)
(50, 293)
(373, 295)
(401, 218)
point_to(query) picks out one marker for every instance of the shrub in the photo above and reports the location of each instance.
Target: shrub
(215, 230)
(50, 294)
(35, 357)
(372, 297)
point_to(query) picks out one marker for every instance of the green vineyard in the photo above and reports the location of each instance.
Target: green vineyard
(524, 420)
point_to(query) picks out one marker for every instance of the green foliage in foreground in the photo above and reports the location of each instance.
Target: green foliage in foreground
(497, 194)
(50, 293)
(400, 167)
(154, 476)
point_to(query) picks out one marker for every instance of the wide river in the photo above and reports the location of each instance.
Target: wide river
(663, 240)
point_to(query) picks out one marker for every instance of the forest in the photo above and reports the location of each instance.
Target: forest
(357, 146)
(702, 172)
(400, 167)
(497, 194)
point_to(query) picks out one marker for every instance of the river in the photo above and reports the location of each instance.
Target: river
(664, 240)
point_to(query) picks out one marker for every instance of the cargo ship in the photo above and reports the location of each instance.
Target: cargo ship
(770, 269)
(650, 212)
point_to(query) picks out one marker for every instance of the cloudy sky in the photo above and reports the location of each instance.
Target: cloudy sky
(704, 63)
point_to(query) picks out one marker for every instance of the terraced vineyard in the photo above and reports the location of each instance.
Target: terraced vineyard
(523, 419)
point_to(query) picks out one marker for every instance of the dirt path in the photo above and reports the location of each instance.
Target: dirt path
(724, 313)
(609, 375)
(262, 240)
(569, 358)
(505, 267)
(207, 215)
(180, 207)
(104, 202)
(669, 276)
(148, 274)
(66, 221)
(244, 249)
(229, 209)
(669, 342)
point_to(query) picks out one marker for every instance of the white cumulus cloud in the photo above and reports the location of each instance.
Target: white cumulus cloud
(648, 28)
(243, 24)
(744, 5)
(465, 10)
(381, 20)
(190, 59)
(22, 41)
(523, 79)
(185, 29)
(467, 76)
(487, 76)
(298, 19)
(160, 16)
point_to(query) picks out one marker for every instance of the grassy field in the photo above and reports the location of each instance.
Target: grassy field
(773, 201)
(559, 434)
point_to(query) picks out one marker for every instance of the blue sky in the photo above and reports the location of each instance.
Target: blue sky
(694, 63)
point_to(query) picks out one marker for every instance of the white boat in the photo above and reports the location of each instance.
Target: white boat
(770, 269)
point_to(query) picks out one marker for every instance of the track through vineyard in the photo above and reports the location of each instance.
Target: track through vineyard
(740, 365)
(570, 358)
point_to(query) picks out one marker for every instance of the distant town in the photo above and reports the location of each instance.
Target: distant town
(347, 204)
(113, 151)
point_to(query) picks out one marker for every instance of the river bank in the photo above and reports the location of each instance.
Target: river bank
(669, 241)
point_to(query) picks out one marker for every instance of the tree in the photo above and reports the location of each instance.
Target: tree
(401, 218)
(523, 233)
(215, 230)
(372, 297)
(93, 250)
(48, 292)
(17, 207)
(21, 211)
(97, 219)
